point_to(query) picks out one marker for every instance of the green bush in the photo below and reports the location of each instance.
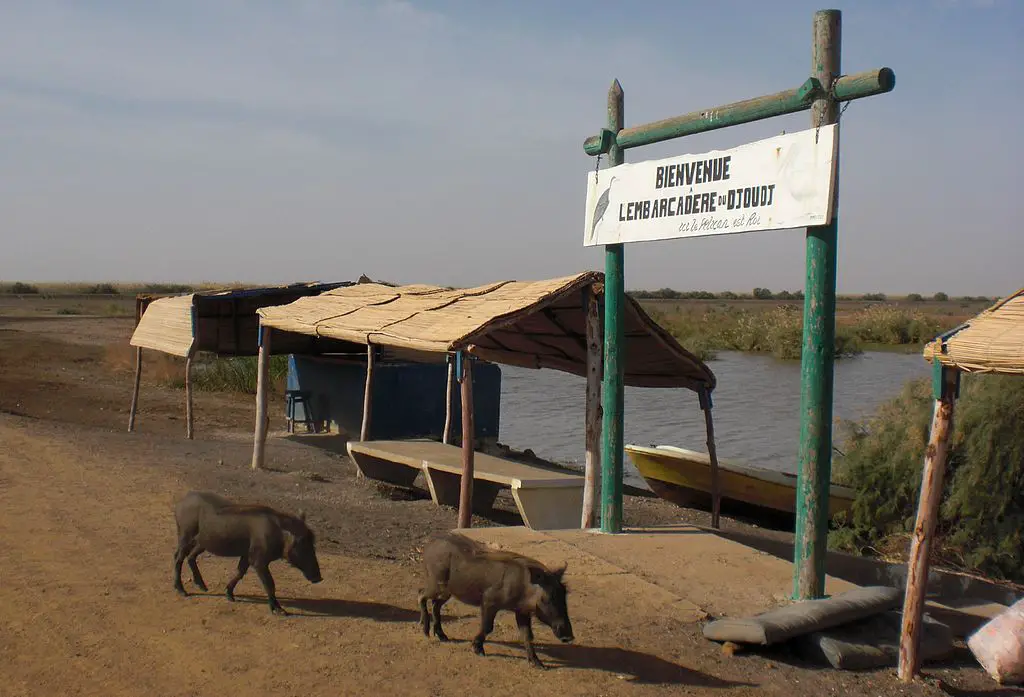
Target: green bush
(237, 374)
(982, 511)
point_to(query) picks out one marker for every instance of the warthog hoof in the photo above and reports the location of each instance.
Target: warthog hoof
(202, 586)
(181, 591)
(535, 662)
(441, 636)
(478, 647)
(278, 610)
(230, 596)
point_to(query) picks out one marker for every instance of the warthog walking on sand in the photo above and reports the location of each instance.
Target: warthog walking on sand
(257, 535)
(492, 580)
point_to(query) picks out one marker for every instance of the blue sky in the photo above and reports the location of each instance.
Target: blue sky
(441, 142)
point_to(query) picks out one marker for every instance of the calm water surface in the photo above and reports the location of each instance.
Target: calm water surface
(756, 408)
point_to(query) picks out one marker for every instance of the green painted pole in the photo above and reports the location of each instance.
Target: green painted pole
(614, 368)
(816, 376)
(847, 88)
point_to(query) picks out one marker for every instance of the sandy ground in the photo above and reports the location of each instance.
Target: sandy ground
(87, 538)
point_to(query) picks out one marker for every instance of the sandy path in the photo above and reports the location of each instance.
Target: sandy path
(86, 607)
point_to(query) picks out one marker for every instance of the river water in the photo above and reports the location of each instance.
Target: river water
(756, 408)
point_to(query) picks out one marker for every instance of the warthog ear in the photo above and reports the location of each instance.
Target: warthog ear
(289, 542)
(302, 516)
(559, 572)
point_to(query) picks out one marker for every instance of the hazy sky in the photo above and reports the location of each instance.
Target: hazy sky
(441, 142)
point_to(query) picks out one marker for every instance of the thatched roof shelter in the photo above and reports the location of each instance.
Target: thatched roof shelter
(221, 321)
(554, 323)
(532, 324)
(991, 342)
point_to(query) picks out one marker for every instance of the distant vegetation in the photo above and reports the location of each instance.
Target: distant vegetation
(767, 321)
(981, 525)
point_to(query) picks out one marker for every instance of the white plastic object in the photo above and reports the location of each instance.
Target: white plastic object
(998, 645)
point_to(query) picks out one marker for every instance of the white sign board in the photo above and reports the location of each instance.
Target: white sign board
(780, 182)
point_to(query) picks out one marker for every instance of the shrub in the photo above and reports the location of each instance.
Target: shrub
(762, 294)
(940, 297)
(873, 297)
(20, 288)
(982, 512)
(915, 297)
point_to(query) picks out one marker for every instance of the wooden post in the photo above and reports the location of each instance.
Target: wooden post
(446, 436)
(817, 359)
(262, 419)
(189, 424)
(716, 487)
(139, 309)
(591, 495)
(364, 431)
(612, 392)
(135, 390)
(945, 385)
(466, 490)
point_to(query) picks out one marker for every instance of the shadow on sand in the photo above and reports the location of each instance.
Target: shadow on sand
(327, 607)
(637, 667)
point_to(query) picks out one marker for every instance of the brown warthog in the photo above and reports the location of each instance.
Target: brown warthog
(493, 580)
(256, 534)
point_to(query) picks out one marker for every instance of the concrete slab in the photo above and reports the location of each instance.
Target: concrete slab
(679, 566)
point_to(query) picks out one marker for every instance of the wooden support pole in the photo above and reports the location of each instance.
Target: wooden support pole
(446, 436)
(262, 418)
(716, 487)
(139, 309)
(466, 490)
(364, 430)
(591, 477)
(612, 392)
(817, 359)
(135, 390)
(927, 516)
(189, 423)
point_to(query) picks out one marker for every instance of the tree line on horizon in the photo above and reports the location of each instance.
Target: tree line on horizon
(767, 294)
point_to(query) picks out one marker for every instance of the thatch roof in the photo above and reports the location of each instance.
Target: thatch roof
(222, 321)
(991, 342)
(534, 324)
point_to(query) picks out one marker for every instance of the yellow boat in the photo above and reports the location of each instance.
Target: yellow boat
(766, 496)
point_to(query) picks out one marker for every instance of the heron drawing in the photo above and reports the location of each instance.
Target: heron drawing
(601, 207)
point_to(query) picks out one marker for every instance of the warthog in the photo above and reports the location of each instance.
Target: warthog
(256, 534)
(493, 580)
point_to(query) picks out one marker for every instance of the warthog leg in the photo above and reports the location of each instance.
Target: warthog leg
(487, 613)
(184, 546)
(197, 578)
(243, 566)
(438, 603)
(523, 621)
(263, 571)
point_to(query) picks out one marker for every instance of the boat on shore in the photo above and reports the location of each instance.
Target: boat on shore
(766, 497)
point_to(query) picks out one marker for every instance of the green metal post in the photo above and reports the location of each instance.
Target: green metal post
(816, 377)
(614, 368)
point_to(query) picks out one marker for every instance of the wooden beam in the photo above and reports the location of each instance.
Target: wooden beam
(924, 528)
(716, 487)
(446, 436)
(140, 307)
(262, 419)
(135, 390)
(189, 423)
(466, 490)
(364, 431)
(592, 473)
